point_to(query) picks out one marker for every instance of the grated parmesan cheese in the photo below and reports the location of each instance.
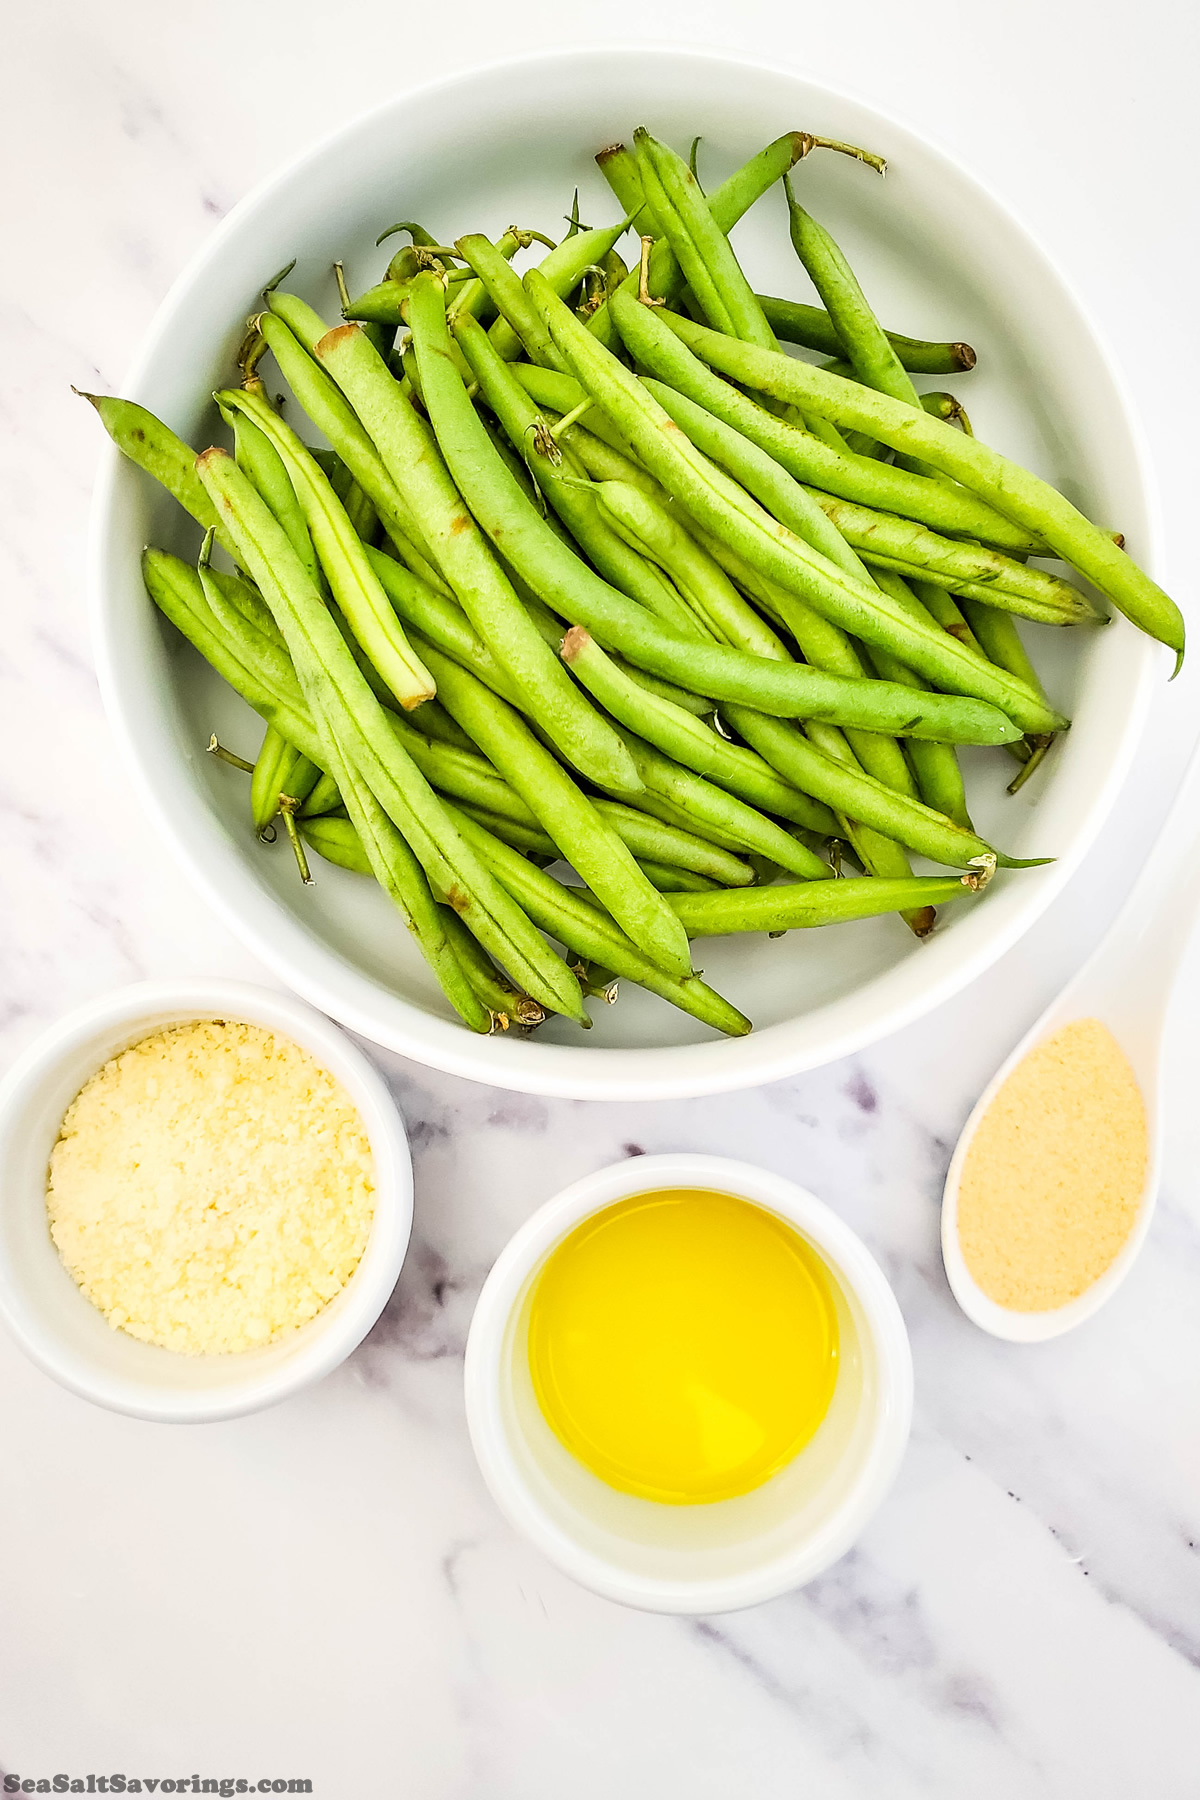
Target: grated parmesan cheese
(211, 1188)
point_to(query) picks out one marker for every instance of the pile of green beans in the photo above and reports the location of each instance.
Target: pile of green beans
(591, 576)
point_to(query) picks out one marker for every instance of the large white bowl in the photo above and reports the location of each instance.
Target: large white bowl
(940, 256)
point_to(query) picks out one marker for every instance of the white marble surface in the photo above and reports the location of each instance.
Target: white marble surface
(327, 1590)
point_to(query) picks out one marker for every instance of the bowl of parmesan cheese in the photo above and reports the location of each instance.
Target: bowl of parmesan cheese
(205, 1199)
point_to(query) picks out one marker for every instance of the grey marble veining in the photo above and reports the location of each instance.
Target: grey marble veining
(327, 1589)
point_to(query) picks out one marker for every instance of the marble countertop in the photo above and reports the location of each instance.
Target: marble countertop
(327, 1590)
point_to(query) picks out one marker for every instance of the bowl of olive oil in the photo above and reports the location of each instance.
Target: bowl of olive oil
(688, 1383)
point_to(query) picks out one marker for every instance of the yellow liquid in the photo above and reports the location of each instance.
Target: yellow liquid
(683, 1345)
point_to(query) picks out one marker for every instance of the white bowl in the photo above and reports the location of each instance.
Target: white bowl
(49, 1315)
(940, 256)
(692, 1559)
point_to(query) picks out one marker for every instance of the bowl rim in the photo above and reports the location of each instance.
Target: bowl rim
(318, 973)
(324, 1345)
(858, 1271)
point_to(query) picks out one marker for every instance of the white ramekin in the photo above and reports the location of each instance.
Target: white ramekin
(692, 1559)
(52, 1320)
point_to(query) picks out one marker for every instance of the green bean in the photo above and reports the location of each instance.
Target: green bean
(714, 600)
(474, 782)
(853, 477)
(881, 539)
(587, 931)
(941, 405)
(555, 392)
(670, 880)
(880, 756)
(412, 456)
(323, 799)
(727, 205)
(348, 714)
(444, 623)
(657, 806)
(302, 320)
(338, 842)
(939, 778)
(934, 602)
(666, 690)
(947, 406)
(794, 506)
(859, 796)
(812, 327)
(681, 736)
(1000, 641)
(659, 717)
(720, 504)
(866, 344)
(328, 409)
(380, 848)
(354, 584)
(701, 246)
(601, 459)
(383, 304)
(433, 721)
(465, 774)
(523, 328)
(652, 840)
(799, 905)
(873, 360)
(825, 646)
(505, 1002)
(616, 270)
(378, 305)
(280, 769)
(583, 837)
(258, 457)
(264, 659)
(1024, 497)
(362, 515)
(882, 487)
(154, 447)
(578, 511)
(572, 590)
(879, 855)
(563, 268)
(693, 799)
(175, 588)
(884, 541)
(618, 165)
(530, 840)
(404, 881)
(597, 982)
(558, 478)
(472, 298)
(945, 611)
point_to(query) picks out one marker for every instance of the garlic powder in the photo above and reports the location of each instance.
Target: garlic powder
(1053, 1179)
(211, 1188)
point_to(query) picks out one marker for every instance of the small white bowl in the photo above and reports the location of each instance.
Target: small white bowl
(692, 1559)
(49, 1315)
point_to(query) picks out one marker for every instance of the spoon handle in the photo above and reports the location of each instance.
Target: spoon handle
(1154, 926)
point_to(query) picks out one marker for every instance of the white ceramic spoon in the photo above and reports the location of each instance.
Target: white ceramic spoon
(1126, 984)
